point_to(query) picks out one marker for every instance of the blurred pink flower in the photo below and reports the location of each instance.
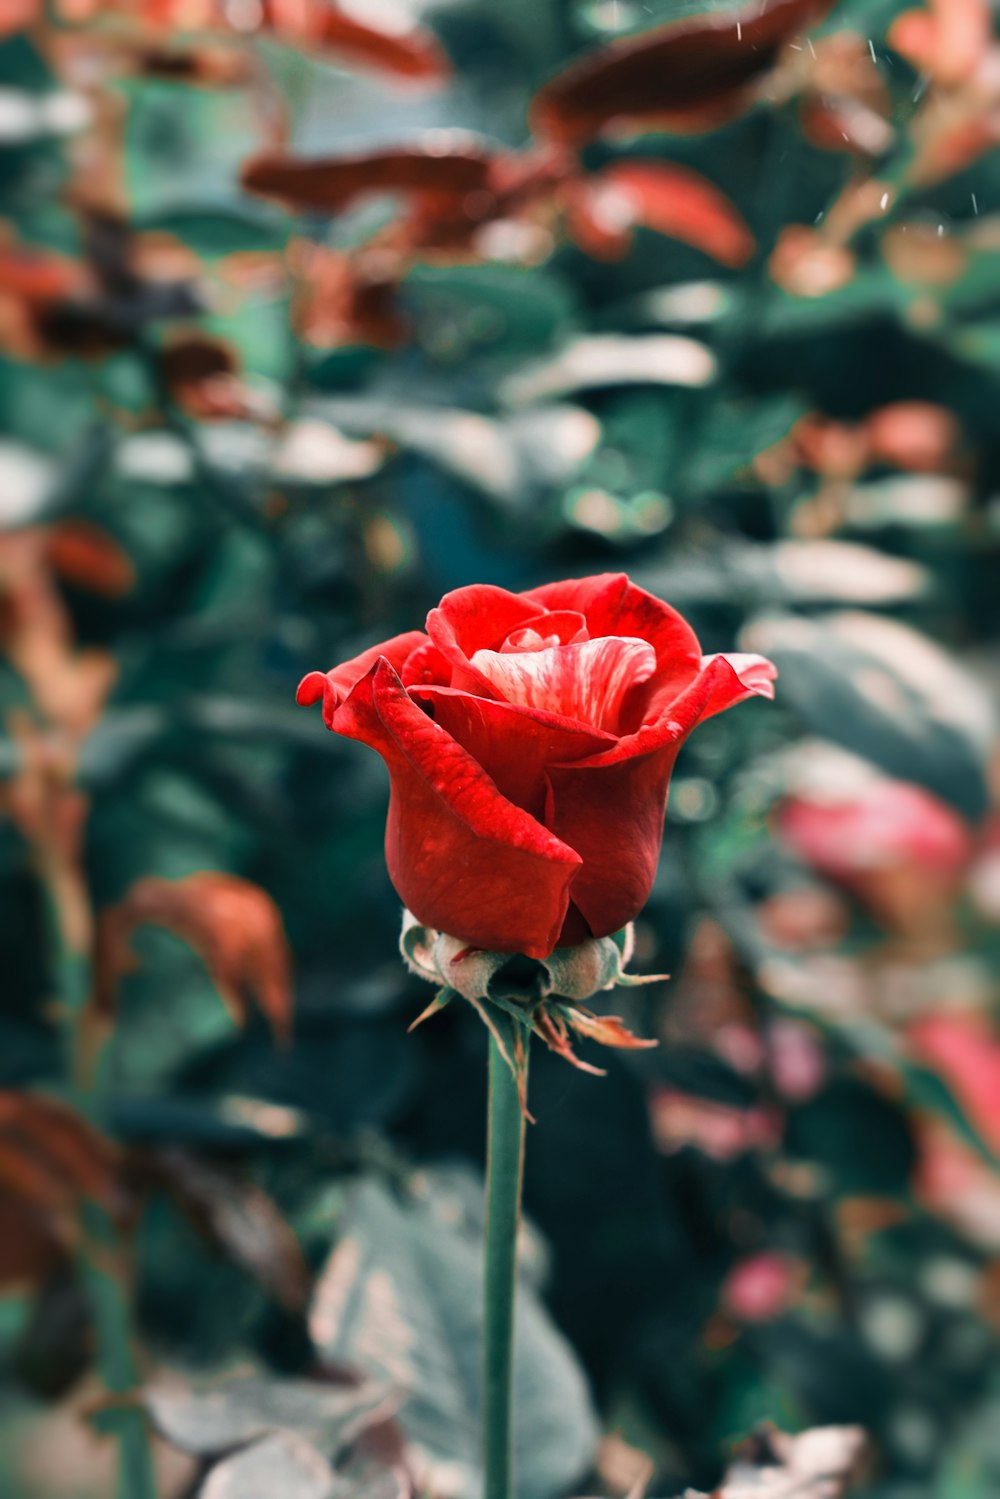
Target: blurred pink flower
(964, 1049)
(718, 1130)
(877, 826)
(796, 1059)
(760, 1288)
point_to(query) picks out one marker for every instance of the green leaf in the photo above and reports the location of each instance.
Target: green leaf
(887, 693)
(401, 1300)
(211, 1420)
(283, 1464)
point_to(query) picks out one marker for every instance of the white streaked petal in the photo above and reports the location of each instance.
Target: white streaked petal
(586, 682)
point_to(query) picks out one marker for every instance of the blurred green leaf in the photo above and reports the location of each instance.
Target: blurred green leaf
(401, 1298)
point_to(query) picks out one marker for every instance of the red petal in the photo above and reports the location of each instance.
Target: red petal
(610, 808)
(514, 745)
(462, 857)
(586, 682)
(334, 685)
(695, 71)
(611, 811)
(612, 605)
(735, 676)
(477, 618)
(554, 627)
(677, 201)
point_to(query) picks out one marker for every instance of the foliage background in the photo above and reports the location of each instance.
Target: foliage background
(791, 1209)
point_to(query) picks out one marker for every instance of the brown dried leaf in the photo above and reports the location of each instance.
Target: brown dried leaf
(344, 299)
(202, 374)
(85, 555)
(18, 15)
(659, 195)
(328, 185)
(52, 1158)
(948, 40)
(233, 925)
(608, 1030)
(411, 53)
(694, 74)
(30, 1247)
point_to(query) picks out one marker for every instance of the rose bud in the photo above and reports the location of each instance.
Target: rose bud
(529, 740)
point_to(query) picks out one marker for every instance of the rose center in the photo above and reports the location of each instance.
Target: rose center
(528, 640)
(586, 680)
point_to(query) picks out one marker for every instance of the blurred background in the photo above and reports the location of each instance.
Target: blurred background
(720, 309)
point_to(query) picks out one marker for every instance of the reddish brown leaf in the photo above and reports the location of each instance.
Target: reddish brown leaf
(948, 40)
(412, 53)
(206, 66)
(804, 264)
(399, 47)
(194, 357)
(52, 1157)
(402, 49)
(692, 74)
(597, 218)
(202, 374)
(672, 200)
(85, 555)
(232, 924)
(330, 185)
(18, 15)
(917, 435)
(38, 276)
(29, 1248)
(344, 299)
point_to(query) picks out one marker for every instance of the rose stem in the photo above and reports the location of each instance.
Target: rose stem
(504, 1173)
(101, 1257)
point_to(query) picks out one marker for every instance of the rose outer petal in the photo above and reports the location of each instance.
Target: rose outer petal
(333, 686)
(748, 676)
(738, 678)
(461, 856)
(514, 745)
(610, 808)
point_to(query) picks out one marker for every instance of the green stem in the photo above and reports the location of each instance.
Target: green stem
(107, 1285)
(101, 1256)
(504, 1172)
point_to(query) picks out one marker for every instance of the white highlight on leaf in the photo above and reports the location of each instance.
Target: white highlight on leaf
(613, 359)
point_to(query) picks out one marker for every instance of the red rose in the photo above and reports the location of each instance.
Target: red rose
(530, 739)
